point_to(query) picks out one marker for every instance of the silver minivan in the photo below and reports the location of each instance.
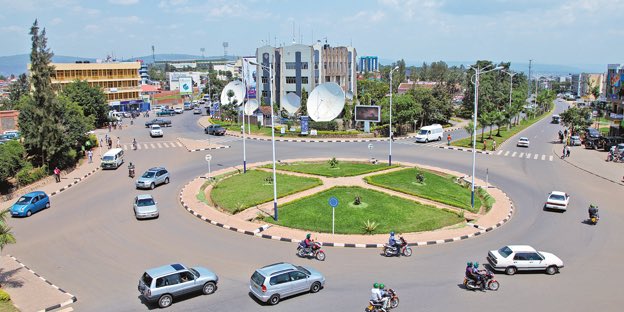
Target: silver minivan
(164, 283)
(276, 281)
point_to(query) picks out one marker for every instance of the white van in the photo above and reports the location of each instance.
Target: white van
(430, 133)
(112, 159)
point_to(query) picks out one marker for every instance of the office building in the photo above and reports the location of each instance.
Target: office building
(368, 64)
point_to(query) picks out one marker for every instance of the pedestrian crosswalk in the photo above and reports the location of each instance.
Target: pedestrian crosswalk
(523, 155)
(154, 145)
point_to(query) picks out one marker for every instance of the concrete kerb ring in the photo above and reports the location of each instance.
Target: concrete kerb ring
(258, 232)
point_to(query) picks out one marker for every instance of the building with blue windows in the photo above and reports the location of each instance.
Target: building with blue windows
(368, 64)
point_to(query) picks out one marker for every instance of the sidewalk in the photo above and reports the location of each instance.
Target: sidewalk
(499, 214)
(592, 162)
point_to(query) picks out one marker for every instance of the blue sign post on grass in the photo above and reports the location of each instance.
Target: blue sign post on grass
(333, 202)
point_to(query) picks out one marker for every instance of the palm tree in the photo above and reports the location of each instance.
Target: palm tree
(6, 235)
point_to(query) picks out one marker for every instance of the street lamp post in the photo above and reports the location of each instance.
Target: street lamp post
(390, 128)
(510, 91)
(478, 71)
(268, 68)
(243, 115)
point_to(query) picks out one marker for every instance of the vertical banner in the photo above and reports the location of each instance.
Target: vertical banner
(215, 108)
(304, 125)
(186, 85)
(249, 74)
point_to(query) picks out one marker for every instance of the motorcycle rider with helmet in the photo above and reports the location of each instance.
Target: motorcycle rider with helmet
(385, 296)
(477, 273)
(131, 170)
(376, 295)
(392, 241)
(308, 243)
(593, 211)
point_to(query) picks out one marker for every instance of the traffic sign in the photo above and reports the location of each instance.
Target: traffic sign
(333, 201)
(208, 157)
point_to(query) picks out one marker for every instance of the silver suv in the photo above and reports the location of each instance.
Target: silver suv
(152, 177)
(162, 284)
(276, 281)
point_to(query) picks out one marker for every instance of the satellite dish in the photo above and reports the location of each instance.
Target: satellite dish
(251, 106)
(239, 92)
(291, 102)
(349, 95)
(326, 102)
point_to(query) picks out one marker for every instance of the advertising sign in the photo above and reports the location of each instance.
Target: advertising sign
(215, 108)
(367, 113)
(186, 85)
(249, 74)
(304, 125)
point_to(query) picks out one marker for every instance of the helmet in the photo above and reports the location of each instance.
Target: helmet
(308, 236)
(376, 285)
(382, 286)
(592, 206)
(469, 263)
(476, 265)
(392, 233)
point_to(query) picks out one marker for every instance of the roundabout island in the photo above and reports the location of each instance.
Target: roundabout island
(428, 205)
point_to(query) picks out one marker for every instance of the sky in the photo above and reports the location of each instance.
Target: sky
(565, 32)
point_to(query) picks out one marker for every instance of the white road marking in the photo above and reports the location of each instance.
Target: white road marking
(528, 155)
(152, 145)
(536, 155)
(166, 145)
(125, 147)
(550, 158)
(520, 156)
(506, 153)
(179, 144)
(514, 154)
(543, 157)
(499, 152)
(159, 145)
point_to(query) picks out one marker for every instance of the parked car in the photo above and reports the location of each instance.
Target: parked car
(523, 142)
(514, 258)
(5, 138)
(166, 112)
(188, 106)
(215, 130)
(608, 142)
(145, 207)
(197, 111)
(178, 110)
(158, 121)
(593, 143)
(163, 284)
(153, 177)
(557, 200)
(30, 203)
(156, 131)
(575, 140)
(12, 134)
(277, 281)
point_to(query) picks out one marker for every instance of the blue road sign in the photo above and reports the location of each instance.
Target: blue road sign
(333, 201)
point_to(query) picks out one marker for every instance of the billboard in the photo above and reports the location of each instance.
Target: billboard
(368, 113)
(249, 75)
(186, 85)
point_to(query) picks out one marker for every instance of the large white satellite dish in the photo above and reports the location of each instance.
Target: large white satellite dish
(251, 106)
(239, 93)
(326, 102)
(291, 102)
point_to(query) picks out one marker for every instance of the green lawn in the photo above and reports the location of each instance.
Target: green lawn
(242, 191)
(392, 213)
(440, 188)
(7, 306)
(504, 133)
(343, 169)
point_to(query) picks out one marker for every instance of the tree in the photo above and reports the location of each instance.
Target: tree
(18, 89)
(470, 129)
(576, 118)
(303, 110)
(405, 110)
(12, 155)
(91, 99)
(6, 235)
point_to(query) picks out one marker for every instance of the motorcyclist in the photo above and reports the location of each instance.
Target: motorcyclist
(469, 269)
(593, 211)
(385, 296)
(308, 243)
(376, 294)
(477, 273)
(392, 242)
(134, 144)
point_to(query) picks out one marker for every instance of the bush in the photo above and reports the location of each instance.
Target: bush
(93, 141)
(333, 163)
(11, 159)
(370, 226)
(324, 125)
(4, 296)
(28, 174)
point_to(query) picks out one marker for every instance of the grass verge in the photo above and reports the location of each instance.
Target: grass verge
(7, 306)
(342, 169)
(239, 192)
(488, 201)
(437, 187)
(390, 213)
(503, 135)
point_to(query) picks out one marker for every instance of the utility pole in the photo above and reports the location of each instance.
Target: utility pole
(529, 81)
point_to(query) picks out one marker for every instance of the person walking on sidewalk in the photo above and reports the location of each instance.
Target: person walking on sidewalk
(90, 155)
(118, 143)
(57, 174)
(493, 145)
(448, 140)
(567, 150)
(485, 145)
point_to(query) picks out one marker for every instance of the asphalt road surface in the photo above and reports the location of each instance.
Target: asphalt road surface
(90, 244)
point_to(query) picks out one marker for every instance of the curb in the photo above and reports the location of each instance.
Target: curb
(315, 140)
(466, 150)
(76, 180)
(71, 300)
(258, 232)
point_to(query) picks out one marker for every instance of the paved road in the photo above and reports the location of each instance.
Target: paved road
(90, 244)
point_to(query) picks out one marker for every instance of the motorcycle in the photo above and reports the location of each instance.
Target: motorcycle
(402, 249)
(487, 282)
(593, 219)
(393, 302)
(314, 252)
(131, 172)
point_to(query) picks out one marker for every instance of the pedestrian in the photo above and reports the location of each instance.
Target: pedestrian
(118, 143)
(493, 144)
(563, 153)
(110, 126)
(90, 155)
(448, 140)
(110, 143)
(57, 174)
(101, 143)
(568, 141)
(485, 145)
(565, 132)
(567, 151)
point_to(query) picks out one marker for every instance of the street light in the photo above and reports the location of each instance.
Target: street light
(390, 132)
(244, 145)
(510, 91)
(478, 71)
(268, 68)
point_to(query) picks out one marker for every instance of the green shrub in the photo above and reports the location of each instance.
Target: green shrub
(324, 125)
(11, 159)
(28, 174)
(4, 296)
(370, 226)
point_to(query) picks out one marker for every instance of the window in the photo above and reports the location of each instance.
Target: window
(304, 65)
(521, 256)
(265, 79)
(265, 93)
(291, 80)
(534, 256)
(291, 65)
(304, 80)
(296, 275)
(186, 277)
(279, 279)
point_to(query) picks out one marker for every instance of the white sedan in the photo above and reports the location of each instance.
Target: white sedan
(156, 131)
(557, 200)
(523, 142)
(178, 110)
(515, 258)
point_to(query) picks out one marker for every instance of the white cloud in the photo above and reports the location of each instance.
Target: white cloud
(56, 21)
(124, 2)
(85, 11)
(132, 19)
(12, 29)
(171, 4)
(92, 28)
(366, 17)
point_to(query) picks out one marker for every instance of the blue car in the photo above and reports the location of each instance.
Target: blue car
(30, 203)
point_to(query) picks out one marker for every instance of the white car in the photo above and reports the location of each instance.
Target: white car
(515, 258)
(523, 142)
(145, 207)
(178, 110)
(156, 131)
(557, 200)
